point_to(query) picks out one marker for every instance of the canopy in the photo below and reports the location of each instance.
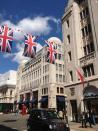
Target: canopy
(61, 98)
(43, 99)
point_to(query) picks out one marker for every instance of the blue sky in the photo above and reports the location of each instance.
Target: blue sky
(36, 17)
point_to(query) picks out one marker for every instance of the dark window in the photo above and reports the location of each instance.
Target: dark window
(85, 52)
(86, 30)
(92, 47)
(57, 89)
(61, 90)
(89, 28)
(63, 78)
(81, 15)
(59, 56)
(71, 75)
(56, 56)
(92, 69)
(11, 92)
(68, 39)
(83, 32)
(88, 48)
(69, 55)
(67, 23)
(88, 70)
(87, 12)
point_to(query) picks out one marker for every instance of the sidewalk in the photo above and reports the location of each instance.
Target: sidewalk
(77, 127)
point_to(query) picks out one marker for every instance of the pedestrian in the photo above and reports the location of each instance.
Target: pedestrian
(89, 118)
(17, 110)
(23, 109)
(93, 117)
(60, 113)
(83, 119)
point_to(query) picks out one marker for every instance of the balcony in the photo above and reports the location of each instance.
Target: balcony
(87, 59)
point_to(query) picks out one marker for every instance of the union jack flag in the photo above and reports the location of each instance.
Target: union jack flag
(6, 39)
(30, 46)
(51, 52)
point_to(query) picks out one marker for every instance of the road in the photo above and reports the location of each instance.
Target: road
(11, 122)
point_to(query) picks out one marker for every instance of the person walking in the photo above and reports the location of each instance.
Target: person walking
(83, 119)
(60, 113)
(93, 117)
(17, 110)
(23, 109)
(89, 118)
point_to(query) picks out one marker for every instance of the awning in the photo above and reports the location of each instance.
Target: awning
(61, 98)
(33, 100)
(43, 99)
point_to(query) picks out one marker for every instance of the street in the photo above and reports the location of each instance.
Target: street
(11, 122)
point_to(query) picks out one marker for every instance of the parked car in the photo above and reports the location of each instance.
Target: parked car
(46, 120)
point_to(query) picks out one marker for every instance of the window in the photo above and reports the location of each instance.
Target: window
(61, 90)
(43, 80)
(67, 23)
(81, 1)
(69, 56)
(84, 13)
(71, 75)
(83, 32)
(92, 48)
(60, 67)
(56, 77)
(86, 30)
(56, 66)
(85, 52)
(57, 89)
(59, 56)
(60, 78)
(89, 48)
(63, 78)
(11, 92)
(68, 39)
(88, 70)
(43, 69)
(72, 91)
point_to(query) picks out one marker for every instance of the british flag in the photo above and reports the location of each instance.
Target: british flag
(30, 46)
(51, 52)
(6, 39)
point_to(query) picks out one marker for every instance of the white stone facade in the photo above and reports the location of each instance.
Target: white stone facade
(39, 78)
(7, 88)
(80, 38)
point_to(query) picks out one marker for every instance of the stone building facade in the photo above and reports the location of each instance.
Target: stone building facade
(42, 83)
(80, 38)
(7, 90)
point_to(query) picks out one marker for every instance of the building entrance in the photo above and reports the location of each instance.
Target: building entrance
(74, 110)
(91, 99)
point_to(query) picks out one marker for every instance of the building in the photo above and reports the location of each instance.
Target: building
(7, 90)
(41, 83)
(80, 38)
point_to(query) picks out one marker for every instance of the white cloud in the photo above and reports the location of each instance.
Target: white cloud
(18, 56)
(35, 26)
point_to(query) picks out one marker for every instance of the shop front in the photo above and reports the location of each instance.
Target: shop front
(91, 100)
